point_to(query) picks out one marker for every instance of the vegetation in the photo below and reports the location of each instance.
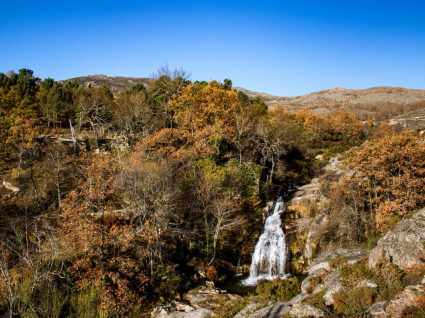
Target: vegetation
(278, 289)
(114, 202)
(386, 185)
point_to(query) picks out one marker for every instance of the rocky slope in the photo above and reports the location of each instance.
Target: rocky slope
(370, 103)
(411, 120)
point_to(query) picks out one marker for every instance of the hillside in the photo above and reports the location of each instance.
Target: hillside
(378, 103)
(115, 83)
(370, 103)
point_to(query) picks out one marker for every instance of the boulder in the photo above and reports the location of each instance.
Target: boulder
(161, 311)
(272, 310)
(332, 285)
(198, 313)
(306, 310)
(182, 307)
(247, 310)
(377, 310)
(403, 245)
(207, 298)
(409, 297)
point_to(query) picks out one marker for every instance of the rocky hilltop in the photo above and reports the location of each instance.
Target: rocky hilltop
(371, 103)
(115, 83)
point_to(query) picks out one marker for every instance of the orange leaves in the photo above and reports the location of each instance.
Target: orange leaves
(392, 174)
(208, 107)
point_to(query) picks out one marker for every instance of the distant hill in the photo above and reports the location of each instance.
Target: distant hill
(370, 103)
(378, 103)
(115, 83)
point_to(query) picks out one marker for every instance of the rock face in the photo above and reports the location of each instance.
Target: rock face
(403, 245)
(305, 310)
(306, 217)
(412, 296)
(402, 301)
(411, 120)
(275, 309)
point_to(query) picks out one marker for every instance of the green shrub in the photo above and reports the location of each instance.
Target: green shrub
(317, 300)
(87, 303)
(278, 289)
(314, 282)
(338, 261)
(353, 274)
(232, 307)
(389, 278)
(354, 302)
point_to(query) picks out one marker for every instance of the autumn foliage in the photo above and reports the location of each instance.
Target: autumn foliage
(391, 176)
(124, 200)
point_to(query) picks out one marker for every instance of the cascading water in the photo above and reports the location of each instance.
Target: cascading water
(269, 258)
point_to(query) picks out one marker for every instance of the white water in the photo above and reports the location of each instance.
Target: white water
(269, 258)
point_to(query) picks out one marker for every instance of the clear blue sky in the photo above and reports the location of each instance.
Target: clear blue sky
(279, 47)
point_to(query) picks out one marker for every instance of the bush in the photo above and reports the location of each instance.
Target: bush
(354, 302)
(317, 300)
(389, 278)
(87, 303)
(353, 274)
(278, 289)
(232, 307)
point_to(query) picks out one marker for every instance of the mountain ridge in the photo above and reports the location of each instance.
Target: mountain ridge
(380, 102)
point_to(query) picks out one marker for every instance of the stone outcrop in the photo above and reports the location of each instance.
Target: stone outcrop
(409, 297)
(306, 218)
(403, 245)
(305, 310)
(197, 303)
(275, 309)
(412, 296)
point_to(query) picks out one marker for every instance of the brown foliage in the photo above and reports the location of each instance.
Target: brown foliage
(390, 176)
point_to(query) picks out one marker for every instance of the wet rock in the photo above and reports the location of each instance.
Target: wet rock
(403, 245)
(306, 310)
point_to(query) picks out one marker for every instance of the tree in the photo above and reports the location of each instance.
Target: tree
(94, 107)
(390, 175)
(276, 135)
(134, 114)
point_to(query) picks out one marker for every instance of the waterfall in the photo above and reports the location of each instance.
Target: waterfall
(269, 258)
